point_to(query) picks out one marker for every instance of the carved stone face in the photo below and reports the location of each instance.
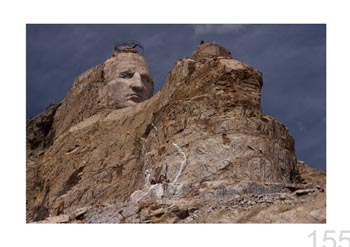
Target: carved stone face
(132, 82)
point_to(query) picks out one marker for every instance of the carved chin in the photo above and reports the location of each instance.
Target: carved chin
(127, 101)
(136, 99)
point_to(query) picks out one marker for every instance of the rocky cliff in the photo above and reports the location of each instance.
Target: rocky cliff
(200, 150)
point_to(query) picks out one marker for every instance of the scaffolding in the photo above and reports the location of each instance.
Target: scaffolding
(129, 44)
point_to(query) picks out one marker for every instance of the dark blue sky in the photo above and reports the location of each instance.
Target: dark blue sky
(292, 59)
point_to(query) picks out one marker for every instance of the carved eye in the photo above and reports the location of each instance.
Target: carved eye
(126, 74)
(145, 78)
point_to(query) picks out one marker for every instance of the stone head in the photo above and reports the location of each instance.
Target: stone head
(132, 81)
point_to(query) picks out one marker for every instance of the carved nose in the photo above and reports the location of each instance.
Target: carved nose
(136, 83)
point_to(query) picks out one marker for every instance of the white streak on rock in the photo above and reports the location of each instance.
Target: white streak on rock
(183, 163)
(147, 175)
(154, 127)
(146, 193)
(138, 195)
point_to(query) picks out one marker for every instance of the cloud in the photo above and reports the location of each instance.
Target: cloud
(291, 57)
(217, 28)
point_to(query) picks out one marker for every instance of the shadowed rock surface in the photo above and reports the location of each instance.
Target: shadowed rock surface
(199, 151)
(39, 128)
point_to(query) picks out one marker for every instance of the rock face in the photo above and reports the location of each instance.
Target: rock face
(200, 150)
(93, 91)
(39, 129)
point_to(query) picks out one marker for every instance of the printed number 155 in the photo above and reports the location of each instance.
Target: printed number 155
(330, 238)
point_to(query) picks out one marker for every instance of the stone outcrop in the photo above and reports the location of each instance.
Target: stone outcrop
(200, 150)
(39, 128)
(206, 50)
(91, 94)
